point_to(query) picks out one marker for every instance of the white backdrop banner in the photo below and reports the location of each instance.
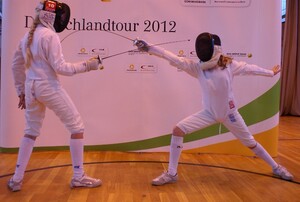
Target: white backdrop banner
(133, 104)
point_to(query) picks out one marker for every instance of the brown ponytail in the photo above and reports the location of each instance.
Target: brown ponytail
(29, 41)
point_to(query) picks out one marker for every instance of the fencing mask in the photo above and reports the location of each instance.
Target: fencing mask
(217, 40)
(54, 14)
(204, 46)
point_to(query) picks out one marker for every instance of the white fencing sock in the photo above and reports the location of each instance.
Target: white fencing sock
(76, 149)
(263, 154)
(175, 151)
(24, 154)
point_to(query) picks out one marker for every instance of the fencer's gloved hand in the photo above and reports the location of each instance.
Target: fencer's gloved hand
(94, 63)
(142, 45)
(276, 69)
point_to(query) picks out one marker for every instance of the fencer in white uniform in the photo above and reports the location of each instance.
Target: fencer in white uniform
(37, 62)
(215, 73)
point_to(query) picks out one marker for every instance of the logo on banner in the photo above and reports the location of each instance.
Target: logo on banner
(221, 3)
(148, 68)
(99, 51)
(131, 68)
(144, 68)
(240, 55)
(102, 52)
(136, 52)
(83, 51)
(181, 53)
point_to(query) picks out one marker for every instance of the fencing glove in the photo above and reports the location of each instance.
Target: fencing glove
(142, 45)
(94, 63)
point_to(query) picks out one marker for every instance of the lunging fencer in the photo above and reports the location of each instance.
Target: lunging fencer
(215, 72)
(36, 65)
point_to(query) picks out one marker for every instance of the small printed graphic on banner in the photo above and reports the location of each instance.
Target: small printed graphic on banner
(144, 68)
(105, 0)
(216, 3)
(136, 52)
(240, 55)
(131, 68)
(195, 2)
(181, 53)
(83, 51)
(93, 51)
(99, 51)
(148, 68)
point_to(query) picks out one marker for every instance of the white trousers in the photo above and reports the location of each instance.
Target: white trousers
(233, 122)
(42, 94)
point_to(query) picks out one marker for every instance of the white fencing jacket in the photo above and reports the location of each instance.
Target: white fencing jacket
(216, 84)
(47, 62)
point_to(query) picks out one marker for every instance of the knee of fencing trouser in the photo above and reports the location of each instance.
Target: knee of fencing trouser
(75, 125)
(33, 126)
(32, 131)
(76, 130)
(177, 131)
(34, 117)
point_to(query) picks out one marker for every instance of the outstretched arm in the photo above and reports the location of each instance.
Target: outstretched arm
(158, 51)
(53, 51)
(242, 68)
(184, 64)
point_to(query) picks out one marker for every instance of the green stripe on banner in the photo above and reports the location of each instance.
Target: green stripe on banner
(260, 109)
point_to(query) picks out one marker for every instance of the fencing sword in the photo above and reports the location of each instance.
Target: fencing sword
(101, 67)
(125, 37)
(135, 40)
(123, 52)
(99, 30)
(169, 42)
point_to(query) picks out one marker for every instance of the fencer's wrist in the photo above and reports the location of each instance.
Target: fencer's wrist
(81, 68)
(88, 68)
